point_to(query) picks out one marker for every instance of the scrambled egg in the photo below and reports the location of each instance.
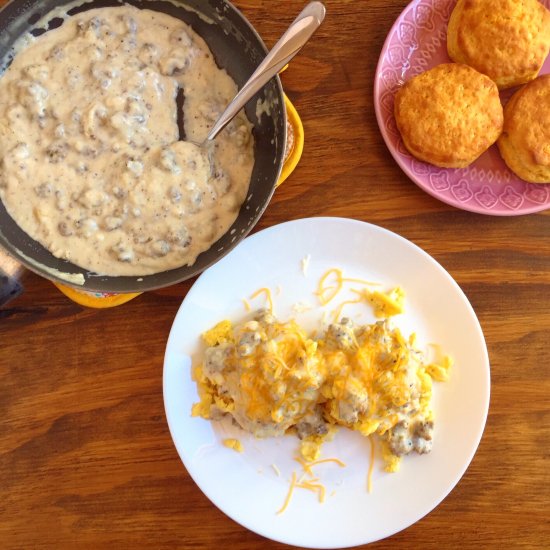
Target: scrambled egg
(234, 444)
(272, 378)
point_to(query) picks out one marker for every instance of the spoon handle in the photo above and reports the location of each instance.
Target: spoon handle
(294, 39)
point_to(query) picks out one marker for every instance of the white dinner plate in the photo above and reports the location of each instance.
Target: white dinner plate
(248, 487)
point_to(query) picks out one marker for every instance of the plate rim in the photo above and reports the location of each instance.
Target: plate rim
(401, 163)
(480, 428)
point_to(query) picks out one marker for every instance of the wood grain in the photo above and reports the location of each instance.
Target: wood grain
(86, 459)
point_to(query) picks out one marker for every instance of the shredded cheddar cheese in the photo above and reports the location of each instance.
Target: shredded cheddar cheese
(324, 460)
(312, 484)
(268, 296)
(332, 290)
(289, 494)
(307, 466)
(371, 465)
(315, 487)
(327, 293)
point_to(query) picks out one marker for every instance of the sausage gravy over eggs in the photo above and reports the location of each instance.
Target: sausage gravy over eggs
(90, 162)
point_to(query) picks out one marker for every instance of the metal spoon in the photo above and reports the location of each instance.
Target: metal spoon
(294, 39)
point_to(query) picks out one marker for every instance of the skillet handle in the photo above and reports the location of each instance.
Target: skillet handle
(292, 41)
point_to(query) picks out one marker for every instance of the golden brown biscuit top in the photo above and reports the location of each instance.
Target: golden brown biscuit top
(528, 119)
(503, 38)
(452, 111)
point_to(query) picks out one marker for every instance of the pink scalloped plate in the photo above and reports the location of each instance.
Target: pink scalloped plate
(417, 42)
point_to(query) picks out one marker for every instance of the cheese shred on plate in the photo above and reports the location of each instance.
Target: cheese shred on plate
(273, 378)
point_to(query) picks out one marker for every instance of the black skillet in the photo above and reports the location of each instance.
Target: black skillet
(238, 49)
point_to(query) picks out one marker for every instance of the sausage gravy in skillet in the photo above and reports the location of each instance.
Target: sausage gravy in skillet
(91, 165)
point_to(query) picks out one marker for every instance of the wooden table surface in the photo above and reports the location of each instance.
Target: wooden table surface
(86, 459)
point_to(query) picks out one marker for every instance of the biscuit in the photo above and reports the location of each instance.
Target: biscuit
(525, 140)
(508, 40)
(449, 115)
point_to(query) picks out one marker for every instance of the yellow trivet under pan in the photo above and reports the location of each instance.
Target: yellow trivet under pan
(294, 149)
